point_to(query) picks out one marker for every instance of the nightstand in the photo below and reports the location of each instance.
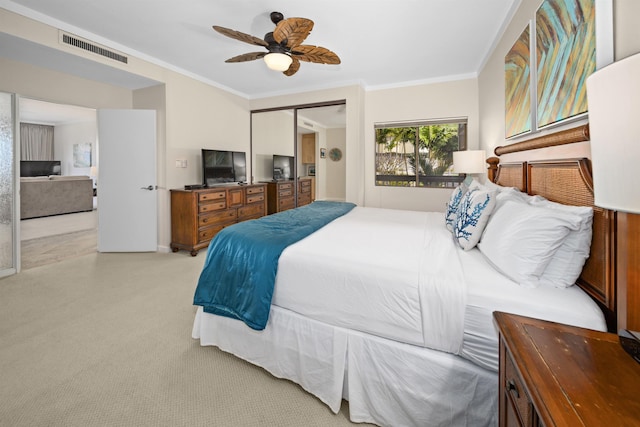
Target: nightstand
(559, 375)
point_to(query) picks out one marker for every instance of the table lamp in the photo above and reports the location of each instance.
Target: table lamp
(613, 94)
(469, 162)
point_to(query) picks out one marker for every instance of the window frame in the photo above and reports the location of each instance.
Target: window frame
(421, 181)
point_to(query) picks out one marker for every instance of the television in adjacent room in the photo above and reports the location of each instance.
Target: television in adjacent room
(283, 167)
(221, 167)
(40, 167)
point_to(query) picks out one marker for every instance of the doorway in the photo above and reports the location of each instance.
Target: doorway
(58, 235)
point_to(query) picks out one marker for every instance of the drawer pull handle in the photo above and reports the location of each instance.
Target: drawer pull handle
(511, 386)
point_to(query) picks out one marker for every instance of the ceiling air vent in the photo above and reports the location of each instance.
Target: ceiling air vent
(92, 47)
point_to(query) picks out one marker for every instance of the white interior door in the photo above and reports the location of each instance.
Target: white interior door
(127, 191)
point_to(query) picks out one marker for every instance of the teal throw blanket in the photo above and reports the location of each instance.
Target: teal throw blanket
(239, 274)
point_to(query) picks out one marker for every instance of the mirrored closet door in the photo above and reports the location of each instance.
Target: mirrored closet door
(289, 149)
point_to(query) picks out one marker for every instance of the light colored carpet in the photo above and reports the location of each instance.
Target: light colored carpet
(105, 340)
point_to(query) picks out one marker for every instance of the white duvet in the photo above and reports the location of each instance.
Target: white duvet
(399, 275)
(391, 273)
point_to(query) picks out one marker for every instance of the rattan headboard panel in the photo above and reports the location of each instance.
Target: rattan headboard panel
(512, 175)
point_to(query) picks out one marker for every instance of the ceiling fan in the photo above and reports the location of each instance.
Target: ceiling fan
(284, 45)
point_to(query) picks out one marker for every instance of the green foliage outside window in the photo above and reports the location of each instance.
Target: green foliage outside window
(420, 155)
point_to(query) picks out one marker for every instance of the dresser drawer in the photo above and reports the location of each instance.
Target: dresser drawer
(253, 198)
(305, 186)
(206, 234)
(213, 206)
(251, 211)
(217, 217)
(255, 190)
(517, 395)
(285, 193)
(285, 186)
(213, 195)
(287, 203)
(304, 199)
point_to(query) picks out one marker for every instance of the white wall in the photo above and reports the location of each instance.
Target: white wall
(64, 138)
(434, 101)
(334, 171)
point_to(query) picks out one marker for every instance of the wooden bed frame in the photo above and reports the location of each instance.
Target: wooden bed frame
(568, 181)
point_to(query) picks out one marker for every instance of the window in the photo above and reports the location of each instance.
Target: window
(419, 154)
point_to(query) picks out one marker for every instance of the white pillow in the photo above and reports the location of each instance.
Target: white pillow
(489, 186)
(476, 184)
(472, 216)
(493, 186)
(452, 206)
(511, 193)
(520, 239)
(566, 265)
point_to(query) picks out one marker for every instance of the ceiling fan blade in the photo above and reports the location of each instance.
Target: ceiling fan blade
(293, 68)
(293, 30)
(237, 35)
(317, 54)
(247, 57)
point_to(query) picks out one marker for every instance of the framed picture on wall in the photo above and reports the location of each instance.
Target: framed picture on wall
(311, 170)
(566, 41)
(566, 56)
(517, 85)
(82, 155)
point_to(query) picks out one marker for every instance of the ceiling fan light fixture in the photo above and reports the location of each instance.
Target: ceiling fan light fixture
(278, 61)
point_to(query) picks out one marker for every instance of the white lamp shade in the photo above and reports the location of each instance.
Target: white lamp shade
(613, 94)
(278, 61)
(470, 161)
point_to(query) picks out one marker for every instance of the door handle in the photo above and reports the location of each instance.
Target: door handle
(150, 188)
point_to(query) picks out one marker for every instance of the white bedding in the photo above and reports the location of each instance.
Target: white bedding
(395, 274)
(347, 321)
(386, 382)
(354, 273)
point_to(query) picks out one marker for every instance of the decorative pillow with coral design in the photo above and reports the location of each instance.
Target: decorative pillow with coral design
(452, 206)
(472, 216)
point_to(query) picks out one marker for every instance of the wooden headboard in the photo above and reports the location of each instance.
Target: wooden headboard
(569, 181)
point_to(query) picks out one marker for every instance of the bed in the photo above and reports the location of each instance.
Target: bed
(397, 319)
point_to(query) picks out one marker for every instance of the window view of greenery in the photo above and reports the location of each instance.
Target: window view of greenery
(419, 155)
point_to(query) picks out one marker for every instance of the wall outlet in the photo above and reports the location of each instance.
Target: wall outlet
(181, 163)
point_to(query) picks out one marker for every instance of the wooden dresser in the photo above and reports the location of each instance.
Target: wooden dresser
(281, 195)
(559, 375)
(198, 215)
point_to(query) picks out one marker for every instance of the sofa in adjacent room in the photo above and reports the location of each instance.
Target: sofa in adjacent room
(55, 195)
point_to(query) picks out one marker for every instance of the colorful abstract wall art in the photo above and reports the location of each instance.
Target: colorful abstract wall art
(517, 73)
(565, 57)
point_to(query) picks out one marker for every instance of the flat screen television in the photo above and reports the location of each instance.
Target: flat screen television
(283, 167)
(223, 167)
(40, 167)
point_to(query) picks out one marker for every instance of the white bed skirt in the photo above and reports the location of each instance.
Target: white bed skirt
(386, 382)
